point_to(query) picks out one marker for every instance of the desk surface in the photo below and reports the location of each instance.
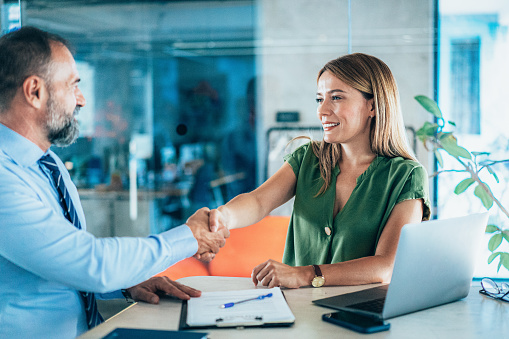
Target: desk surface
(476, 316)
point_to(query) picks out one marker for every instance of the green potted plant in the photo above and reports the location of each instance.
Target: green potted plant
(474, 165)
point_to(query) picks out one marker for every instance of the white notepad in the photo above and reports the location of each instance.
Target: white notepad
(206, 310)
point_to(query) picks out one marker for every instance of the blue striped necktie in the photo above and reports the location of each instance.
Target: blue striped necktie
(93, 316)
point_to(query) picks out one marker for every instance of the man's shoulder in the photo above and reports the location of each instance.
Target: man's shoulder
(6, 162)
(11, 173)
(17, 148)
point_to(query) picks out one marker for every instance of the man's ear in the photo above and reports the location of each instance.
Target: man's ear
(34, 91)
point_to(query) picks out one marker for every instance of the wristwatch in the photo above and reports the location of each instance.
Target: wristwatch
(127, 296)
(319, 279)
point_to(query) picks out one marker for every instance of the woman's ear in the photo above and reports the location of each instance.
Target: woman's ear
(34, 91)
(371, 106)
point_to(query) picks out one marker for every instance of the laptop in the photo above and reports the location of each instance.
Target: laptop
(434, 265)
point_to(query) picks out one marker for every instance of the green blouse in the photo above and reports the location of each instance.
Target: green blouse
(316, 237)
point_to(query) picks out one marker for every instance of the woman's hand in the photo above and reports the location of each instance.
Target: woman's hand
(273, 274)
(216, 220)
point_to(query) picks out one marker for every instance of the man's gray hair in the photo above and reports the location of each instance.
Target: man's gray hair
(23, 53)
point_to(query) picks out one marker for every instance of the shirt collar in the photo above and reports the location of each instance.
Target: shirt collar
(18, 148)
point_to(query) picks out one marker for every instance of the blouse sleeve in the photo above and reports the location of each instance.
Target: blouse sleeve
(417, 187)
(295, 158)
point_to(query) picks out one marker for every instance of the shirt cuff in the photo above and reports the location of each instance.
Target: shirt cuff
(110, 295)
(183, 243)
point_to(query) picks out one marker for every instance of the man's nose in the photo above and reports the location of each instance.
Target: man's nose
(80, 99)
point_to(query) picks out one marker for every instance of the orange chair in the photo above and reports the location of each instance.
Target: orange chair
(246, 248)
(185, 268)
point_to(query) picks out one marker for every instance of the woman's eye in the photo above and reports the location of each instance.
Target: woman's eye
(336, 97)
(319, 100)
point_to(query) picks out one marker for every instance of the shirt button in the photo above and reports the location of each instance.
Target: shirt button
(327, 230)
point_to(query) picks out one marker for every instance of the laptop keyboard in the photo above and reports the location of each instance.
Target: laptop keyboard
(375, 305)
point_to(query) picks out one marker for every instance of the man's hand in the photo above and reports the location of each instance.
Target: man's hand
(209, 242)
(151, 289)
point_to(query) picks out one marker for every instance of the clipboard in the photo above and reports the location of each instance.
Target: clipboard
(253, 314)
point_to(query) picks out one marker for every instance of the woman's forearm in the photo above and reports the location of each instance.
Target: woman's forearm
(249, 208)
(367, 270)
(243, 210)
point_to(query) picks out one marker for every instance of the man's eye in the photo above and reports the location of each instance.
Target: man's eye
(319, 100)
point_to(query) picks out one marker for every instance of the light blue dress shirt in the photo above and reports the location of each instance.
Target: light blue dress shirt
(45, 260)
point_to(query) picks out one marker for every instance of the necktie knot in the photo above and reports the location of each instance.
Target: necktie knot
(48, 161)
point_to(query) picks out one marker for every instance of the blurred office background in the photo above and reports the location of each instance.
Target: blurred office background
(190, 103)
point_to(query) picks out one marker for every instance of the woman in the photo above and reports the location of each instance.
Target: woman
(353, 191)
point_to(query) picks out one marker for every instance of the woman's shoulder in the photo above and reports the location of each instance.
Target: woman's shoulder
(302, 156)
(300, 150)
(401, 162)
(402, 165)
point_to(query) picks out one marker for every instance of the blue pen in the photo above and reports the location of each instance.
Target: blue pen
(260, 297)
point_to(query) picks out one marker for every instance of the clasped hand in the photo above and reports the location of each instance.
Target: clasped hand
(209, 242)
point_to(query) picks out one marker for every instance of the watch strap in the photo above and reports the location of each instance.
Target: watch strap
(318, 271)
(127, 296)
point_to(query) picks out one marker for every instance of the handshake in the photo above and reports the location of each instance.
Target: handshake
(209, 242)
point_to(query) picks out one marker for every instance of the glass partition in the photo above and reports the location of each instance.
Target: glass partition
(10, 15)
(190, 103)
(169, 123)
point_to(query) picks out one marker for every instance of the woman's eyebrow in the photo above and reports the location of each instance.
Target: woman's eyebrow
(336, 90)
(332, 91)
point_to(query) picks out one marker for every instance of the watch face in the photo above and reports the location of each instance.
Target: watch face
(318, 281)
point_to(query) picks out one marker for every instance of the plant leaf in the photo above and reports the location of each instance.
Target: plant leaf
(494, 242)
(439, 158)
(450, 144)
(492, 228)
(486, 200)
(504, 258)
(428, 130)
(463, 185)
(480, 153)
(429, 105)
(493, 256)
(493, 173)
(505, 234)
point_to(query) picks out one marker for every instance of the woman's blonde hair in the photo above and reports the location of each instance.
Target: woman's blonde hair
(373, 78)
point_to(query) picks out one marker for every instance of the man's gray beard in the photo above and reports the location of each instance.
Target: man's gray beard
(63, 130)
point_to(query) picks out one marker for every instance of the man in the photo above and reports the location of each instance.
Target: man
(51, 268)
